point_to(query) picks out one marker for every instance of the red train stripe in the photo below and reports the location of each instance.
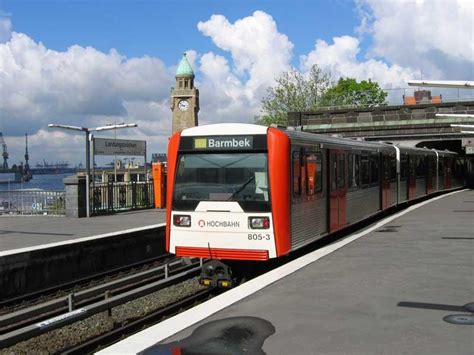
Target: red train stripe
(216, 253)
(279, 174)
(173, 146)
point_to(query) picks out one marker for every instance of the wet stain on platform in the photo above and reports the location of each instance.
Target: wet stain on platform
(236, 335)
(460, 319)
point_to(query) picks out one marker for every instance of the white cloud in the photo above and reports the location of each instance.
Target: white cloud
(409, 40)
(340, 59)
(84, 86)
(80, 86)
(259, 52)
(435, 38)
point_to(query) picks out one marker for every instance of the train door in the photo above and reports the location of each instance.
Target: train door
(441, 173)
(431, 165)
(403, 185)
(447, 173)
(337, 187)
(411, 177)
(385, 174)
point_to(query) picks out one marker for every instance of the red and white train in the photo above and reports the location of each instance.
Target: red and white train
(249, 192)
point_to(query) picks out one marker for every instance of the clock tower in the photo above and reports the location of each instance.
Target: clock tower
(184, 98)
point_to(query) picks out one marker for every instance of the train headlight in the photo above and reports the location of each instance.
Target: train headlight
(180, 220)
(259, 222)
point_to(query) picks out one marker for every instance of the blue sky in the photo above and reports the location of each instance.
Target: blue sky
(167, 28)
(89, 63)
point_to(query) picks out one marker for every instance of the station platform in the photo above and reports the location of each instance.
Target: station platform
(19, 232)
(397, 287)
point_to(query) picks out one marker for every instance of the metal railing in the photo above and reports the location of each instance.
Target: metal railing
(121, 196)
(32, 202)
(394, 97)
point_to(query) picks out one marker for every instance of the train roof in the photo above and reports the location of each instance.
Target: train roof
(355, 144)
(306, 137)
(228, 129)
(237, 129)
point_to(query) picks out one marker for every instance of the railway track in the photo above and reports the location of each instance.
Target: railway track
(53, 315)
(128, 329)
(8, 305)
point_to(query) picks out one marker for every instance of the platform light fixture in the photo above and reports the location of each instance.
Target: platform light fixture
(88, 132)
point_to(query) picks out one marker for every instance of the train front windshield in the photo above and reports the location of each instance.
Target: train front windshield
(240, 177)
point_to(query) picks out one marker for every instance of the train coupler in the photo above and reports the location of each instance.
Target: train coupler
(215, 273)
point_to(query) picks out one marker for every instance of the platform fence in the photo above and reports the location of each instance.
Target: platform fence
(32, 202)
(110, 197)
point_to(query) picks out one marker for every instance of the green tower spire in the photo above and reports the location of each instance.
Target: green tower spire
(184, 68)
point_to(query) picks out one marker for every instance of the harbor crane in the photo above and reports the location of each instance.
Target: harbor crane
(4, 152)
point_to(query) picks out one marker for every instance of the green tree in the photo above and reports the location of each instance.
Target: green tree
(293, 93)
(348, 92)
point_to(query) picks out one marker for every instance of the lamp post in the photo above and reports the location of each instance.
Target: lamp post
(88, 136)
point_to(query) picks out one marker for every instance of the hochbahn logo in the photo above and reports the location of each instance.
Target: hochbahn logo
(235, 142)
(218, 224)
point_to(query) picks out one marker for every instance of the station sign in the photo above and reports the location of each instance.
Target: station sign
(104, 146)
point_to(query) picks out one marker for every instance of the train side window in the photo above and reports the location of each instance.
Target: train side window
(420, 166)
(393, 167)
(403, 166)
(319, 172)
(296, 174)
(412, 166)
(313, 173)
(386, 167)
(350, 168)
(432, 165)
(448, 165)
(374, 168)
(341, 176)
(353, 164)
(333, 174)
(440, 166)
(364, 170)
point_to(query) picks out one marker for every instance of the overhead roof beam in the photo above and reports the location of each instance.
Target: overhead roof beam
(461, 84)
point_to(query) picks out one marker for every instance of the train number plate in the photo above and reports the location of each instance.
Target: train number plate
(258, 236)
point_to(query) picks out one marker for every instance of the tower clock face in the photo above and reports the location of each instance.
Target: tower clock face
(183, 105)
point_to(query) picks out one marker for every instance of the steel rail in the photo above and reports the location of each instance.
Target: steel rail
(154, 317)
(14, 319)
(33, 330)
(70, 285)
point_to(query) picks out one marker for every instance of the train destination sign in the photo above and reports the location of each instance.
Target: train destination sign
(224, 143)
(104, 146)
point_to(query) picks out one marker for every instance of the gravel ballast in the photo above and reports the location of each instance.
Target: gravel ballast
(78, 332)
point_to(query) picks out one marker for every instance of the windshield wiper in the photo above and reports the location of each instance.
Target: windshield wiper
(241, 188)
